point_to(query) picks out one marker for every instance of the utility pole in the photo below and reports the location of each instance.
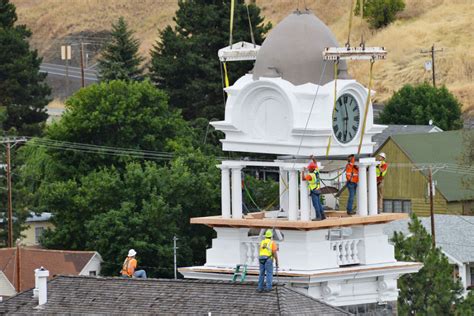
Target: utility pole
(82, 65)
(9, 198)
(10, 143)
(174, 255)
(432, 51)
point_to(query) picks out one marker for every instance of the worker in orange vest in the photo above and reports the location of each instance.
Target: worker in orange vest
(129, 266)
(352, 177)
(380, 171)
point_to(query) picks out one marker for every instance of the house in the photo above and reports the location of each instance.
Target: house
(391, 130)
(406, 184)
(35, 226)
(56, 261)
(81, 295)
(455, 237)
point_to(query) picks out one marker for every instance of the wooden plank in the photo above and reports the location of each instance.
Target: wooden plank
(284, 223)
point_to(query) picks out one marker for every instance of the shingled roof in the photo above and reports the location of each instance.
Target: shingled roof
(90, 295)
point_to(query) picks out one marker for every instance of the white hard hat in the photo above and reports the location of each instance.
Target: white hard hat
(383, 155)
(132, 253)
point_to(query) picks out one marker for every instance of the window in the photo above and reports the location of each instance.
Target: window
(38, 232)
(397, 206)
(92, 273)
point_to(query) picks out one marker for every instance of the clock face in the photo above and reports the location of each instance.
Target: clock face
(346, 118)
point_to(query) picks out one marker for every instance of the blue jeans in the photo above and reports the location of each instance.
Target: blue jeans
(141, 274)
(352, 187)
(317, 205)
(266, 269)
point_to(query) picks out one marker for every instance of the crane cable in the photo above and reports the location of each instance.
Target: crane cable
(336, 63)
(367, 103)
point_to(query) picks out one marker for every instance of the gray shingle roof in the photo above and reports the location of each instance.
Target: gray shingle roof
(89, 295)
(379, 139)
(454, 234)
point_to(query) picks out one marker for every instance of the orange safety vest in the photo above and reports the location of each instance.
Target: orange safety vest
(129, 266)
(352, 172)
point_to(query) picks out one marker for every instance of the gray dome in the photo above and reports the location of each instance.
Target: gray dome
(293, 51)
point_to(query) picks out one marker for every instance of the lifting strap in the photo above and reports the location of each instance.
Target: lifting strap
(231, 26)
(351, 13)
(336, 62)
(367, 103)
(250, 26)
(361, 10)
(226, 77)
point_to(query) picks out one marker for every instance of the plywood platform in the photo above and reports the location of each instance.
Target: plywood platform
(333, 220)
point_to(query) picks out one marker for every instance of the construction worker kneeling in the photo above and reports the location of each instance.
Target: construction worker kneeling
(268, 252)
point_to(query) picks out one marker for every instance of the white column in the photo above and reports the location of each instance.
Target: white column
(236, 192)
(305, 206)
(225, 191)
(372, 182)
(283, 190)
(362, 190)
(293, 196)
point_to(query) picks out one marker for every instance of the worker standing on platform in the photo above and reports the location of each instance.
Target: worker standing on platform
(314, 185)
(129, 267)
(352, 177)
(381, 171)
(267, 252)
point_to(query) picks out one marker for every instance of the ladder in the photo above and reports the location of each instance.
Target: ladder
(237, 272)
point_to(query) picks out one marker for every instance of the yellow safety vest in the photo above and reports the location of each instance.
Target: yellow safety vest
(381, 169)
(266, 248)
(314, 183)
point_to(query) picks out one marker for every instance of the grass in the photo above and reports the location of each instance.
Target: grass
(446, 23)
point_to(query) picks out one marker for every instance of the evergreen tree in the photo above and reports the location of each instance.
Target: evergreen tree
(431, 291)
(184, 60)
(422, 103)
(120, 59)
(23, 92)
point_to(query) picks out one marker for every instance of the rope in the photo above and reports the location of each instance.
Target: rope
(351, 13)
(336, 63)
(231, 27)
(367, 103)
(222, 83)
(226, 76)
(250, 26)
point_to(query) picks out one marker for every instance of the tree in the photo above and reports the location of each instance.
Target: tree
(184, 61)
(380, 13)
(133, 115)
(431, 291)
(421, 104)
(119, 59)
(23, 91)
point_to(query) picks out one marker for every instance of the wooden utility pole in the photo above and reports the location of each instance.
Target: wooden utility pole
(432, 51)
(9, 197)
(430, 180)
(82, 65)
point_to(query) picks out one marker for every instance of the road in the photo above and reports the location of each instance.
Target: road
(74, 72)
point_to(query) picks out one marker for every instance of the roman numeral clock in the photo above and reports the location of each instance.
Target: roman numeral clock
(346, 118)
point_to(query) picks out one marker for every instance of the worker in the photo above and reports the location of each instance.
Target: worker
(267, 253)
(352, 177)
(380, 171)
(129, 267)
(314, 185)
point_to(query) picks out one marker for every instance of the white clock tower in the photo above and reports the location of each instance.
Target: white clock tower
(286, 107)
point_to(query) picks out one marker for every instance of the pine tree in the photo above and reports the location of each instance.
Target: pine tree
(120, 59)
(23, 92)
(184, 60)
(431, 291)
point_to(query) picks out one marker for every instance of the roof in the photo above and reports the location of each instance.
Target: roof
(56, 261)
(380, 138)
(293, 50)
(90, 295)
(454, 234)
(43, 217)
(441, 148)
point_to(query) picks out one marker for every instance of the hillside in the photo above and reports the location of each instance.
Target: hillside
(447, 24)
